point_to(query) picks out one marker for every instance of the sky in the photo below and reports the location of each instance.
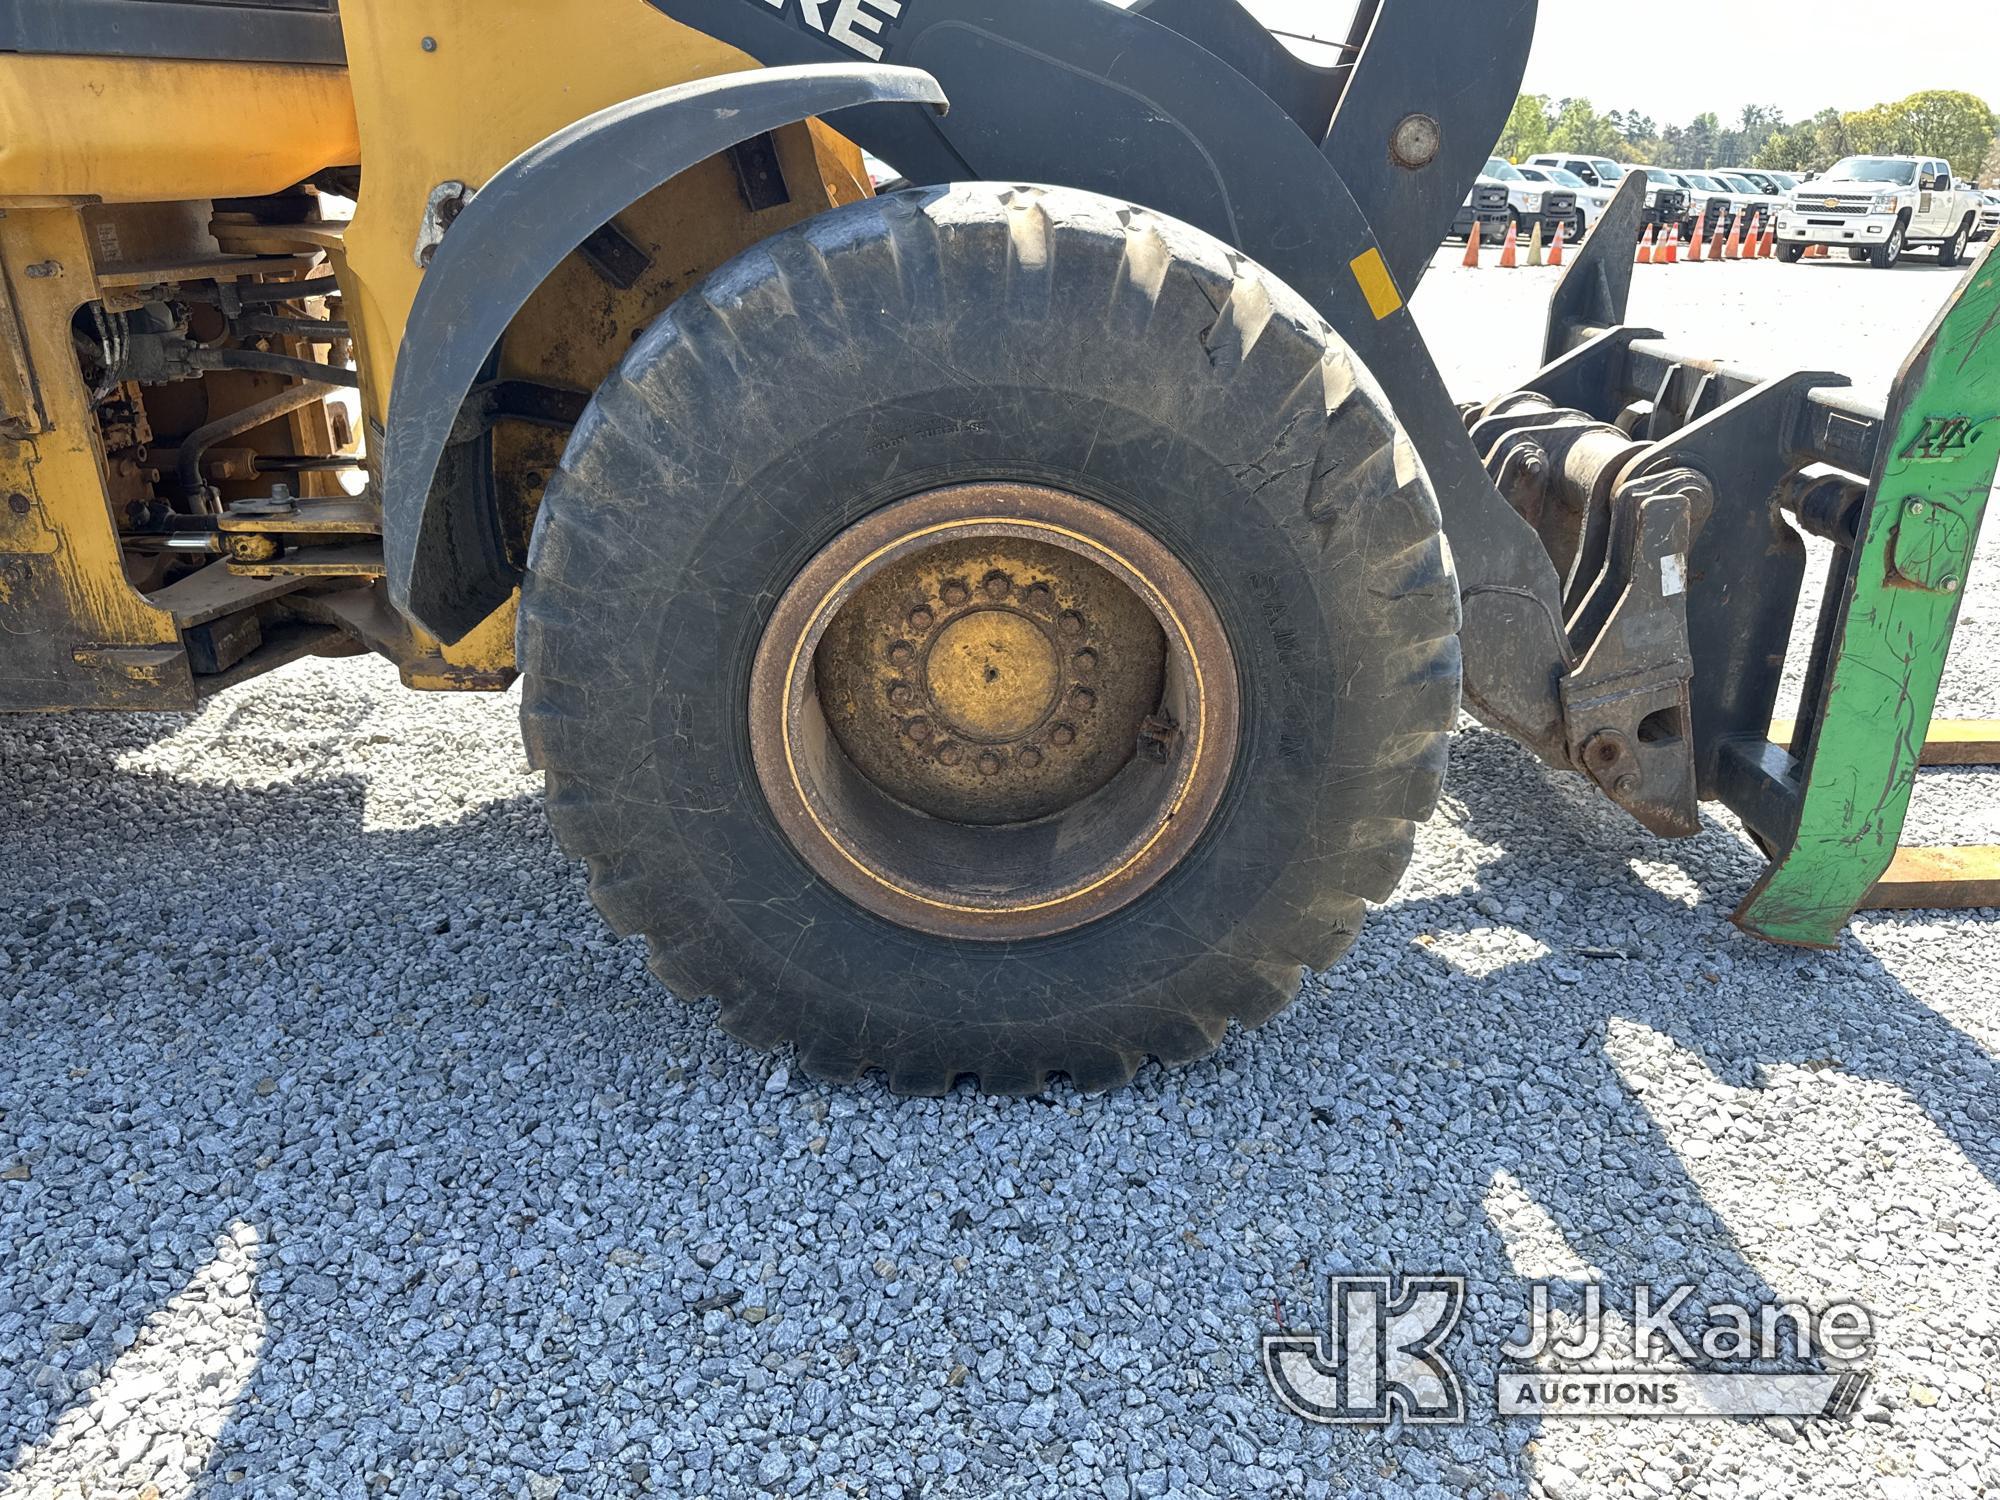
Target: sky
(1677, 59)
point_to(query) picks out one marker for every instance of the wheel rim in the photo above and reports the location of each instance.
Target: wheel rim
(993, 711)
(1895, 244)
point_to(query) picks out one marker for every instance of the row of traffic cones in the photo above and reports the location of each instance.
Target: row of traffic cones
(1761, 243)
(1510, 253)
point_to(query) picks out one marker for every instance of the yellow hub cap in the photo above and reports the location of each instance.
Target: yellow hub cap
(993, 675)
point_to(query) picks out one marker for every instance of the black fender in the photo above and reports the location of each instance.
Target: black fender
(446, 568)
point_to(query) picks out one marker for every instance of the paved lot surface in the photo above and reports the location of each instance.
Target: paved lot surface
(342, 1154)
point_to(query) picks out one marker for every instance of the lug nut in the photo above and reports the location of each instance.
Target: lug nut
(902, 653)
(955, 593)
(1030, 759)
(998, 585)
(1086, 662)
(921, 618)
(1063, 734)
(902, 696)
(1084, 699)
(1040, 597)
(918, 730)
(1071, 623)
(989, 764)
(950, 755)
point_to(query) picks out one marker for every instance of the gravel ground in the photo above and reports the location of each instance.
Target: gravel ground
(342, 1153)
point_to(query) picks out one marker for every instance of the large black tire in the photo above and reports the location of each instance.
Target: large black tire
(1887, 256)
(1952, 251)
(988, 333)
(1791, 255)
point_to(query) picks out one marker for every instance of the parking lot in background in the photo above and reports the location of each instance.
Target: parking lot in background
(343, 1154)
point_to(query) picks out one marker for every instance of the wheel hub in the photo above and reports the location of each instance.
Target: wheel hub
(991, 678)
(993, 711)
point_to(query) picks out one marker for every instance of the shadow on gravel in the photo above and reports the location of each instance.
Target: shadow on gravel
(1755, 1004)
(514, 1224)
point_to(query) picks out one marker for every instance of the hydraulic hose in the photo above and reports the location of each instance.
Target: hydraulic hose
(187, 468)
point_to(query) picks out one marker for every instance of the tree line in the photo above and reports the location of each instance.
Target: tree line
(1937, 122)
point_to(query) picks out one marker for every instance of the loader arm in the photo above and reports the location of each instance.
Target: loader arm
(1177, 129)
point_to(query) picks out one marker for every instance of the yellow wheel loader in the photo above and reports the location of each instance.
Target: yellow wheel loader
(1005, 626)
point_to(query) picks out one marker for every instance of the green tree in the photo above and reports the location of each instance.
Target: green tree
(1943, 122)
(1790, 151)
(1755, 126)
(1831, 140)
(1635, 127)
(1701, 142)
(1580, 128)
(1876, 131)
(1527, 132)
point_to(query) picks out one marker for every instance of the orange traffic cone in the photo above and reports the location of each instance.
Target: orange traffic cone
(1509, 252)
(1669, 254)
(1556, 250)
(1735, 250)
(1694, 244)
(1715, 245)
(1535, 245)
(1769, 248)
(1646, 247)
(1471, 261)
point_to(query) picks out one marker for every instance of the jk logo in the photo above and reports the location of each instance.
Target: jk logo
(1380, 1355)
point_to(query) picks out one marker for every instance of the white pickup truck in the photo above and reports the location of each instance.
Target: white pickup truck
(1876, 207)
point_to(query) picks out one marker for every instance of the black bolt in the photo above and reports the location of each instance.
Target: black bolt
(19, 504)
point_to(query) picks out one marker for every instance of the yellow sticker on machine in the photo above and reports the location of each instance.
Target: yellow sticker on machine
(1377, 285)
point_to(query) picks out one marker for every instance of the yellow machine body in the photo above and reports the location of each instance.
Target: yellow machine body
(128, 185)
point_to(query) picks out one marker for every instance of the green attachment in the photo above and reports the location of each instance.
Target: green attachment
(1887, 650)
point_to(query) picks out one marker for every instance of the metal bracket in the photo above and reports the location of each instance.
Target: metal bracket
(1931, 548)
(1626, 705)
(441, 210)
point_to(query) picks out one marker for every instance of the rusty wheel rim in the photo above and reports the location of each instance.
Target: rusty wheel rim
(993, 711)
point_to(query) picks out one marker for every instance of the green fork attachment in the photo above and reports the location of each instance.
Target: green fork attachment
(1675, 496)
(1892, 600)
